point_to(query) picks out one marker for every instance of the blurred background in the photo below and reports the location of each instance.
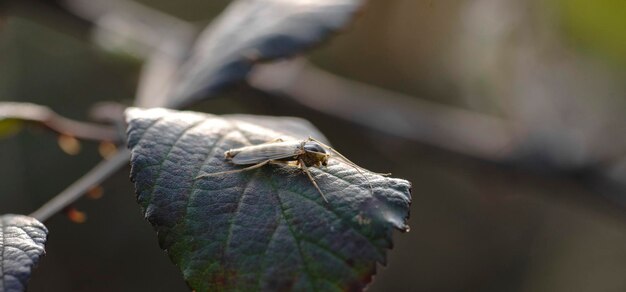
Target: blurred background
(507, 116)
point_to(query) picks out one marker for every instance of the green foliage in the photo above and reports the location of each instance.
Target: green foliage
(598, 25)
(264, 229)
(10, 127)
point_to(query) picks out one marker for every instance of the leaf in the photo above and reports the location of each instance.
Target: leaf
(597, 26)
(249, 31)
(22, 242)
(264, 229)
(9, 127)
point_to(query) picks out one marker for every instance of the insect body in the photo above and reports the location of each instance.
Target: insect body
(310, 152)
(305, 154)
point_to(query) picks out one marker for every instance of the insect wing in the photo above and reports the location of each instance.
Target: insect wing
(264, 152)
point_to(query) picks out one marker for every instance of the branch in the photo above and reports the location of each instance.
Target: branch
(76, 190)
(161, 39)
(450, 128)
(48, 118)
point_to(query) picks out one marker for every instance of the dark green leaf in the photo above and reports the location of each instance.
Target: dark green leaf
(265, 229)
(253, 30)
(22, 242)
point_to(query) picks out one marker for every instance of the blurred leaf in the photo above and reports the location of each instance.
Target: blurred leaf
(75, 215)
(599, 25)
(250, 31)
(265, 229)
(69, 144)
(9, 127)
(107, 149)
(22, 242)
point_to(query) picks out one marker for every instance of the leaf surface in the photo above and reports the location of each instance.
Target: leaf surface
(22, 242)
(249, 31)
(263, 229)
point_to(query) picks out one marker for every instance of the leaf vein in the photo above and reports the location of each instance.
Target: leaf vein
(147, 129)
(264, 261)
(282, 211)
(363, 236)
(231, 222)
(167, 155)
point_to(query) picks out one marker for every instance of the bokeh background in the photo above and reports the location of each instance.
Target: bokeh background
(545, 211)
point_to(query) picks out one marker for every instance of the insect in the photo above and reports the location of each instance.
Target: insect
(305, 154)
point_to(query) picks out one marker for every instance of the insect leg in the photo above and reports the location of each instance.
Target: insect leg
(234, 171)
(306, 170)
(354, 165)
(345, 159)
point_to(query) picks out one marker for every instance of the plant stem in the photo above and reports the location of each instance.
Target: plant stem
(72, 193)
(447, 127)
(48, 118)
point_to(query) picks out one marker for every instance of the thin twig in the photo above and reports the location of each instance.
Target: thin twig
(447, 127)
(48, 118)
(76, 190)
(159, 38)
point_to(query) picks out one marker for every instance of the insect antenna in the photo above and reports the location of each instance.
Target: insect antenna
(306, 170)
(348, 162)
(345, 159)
